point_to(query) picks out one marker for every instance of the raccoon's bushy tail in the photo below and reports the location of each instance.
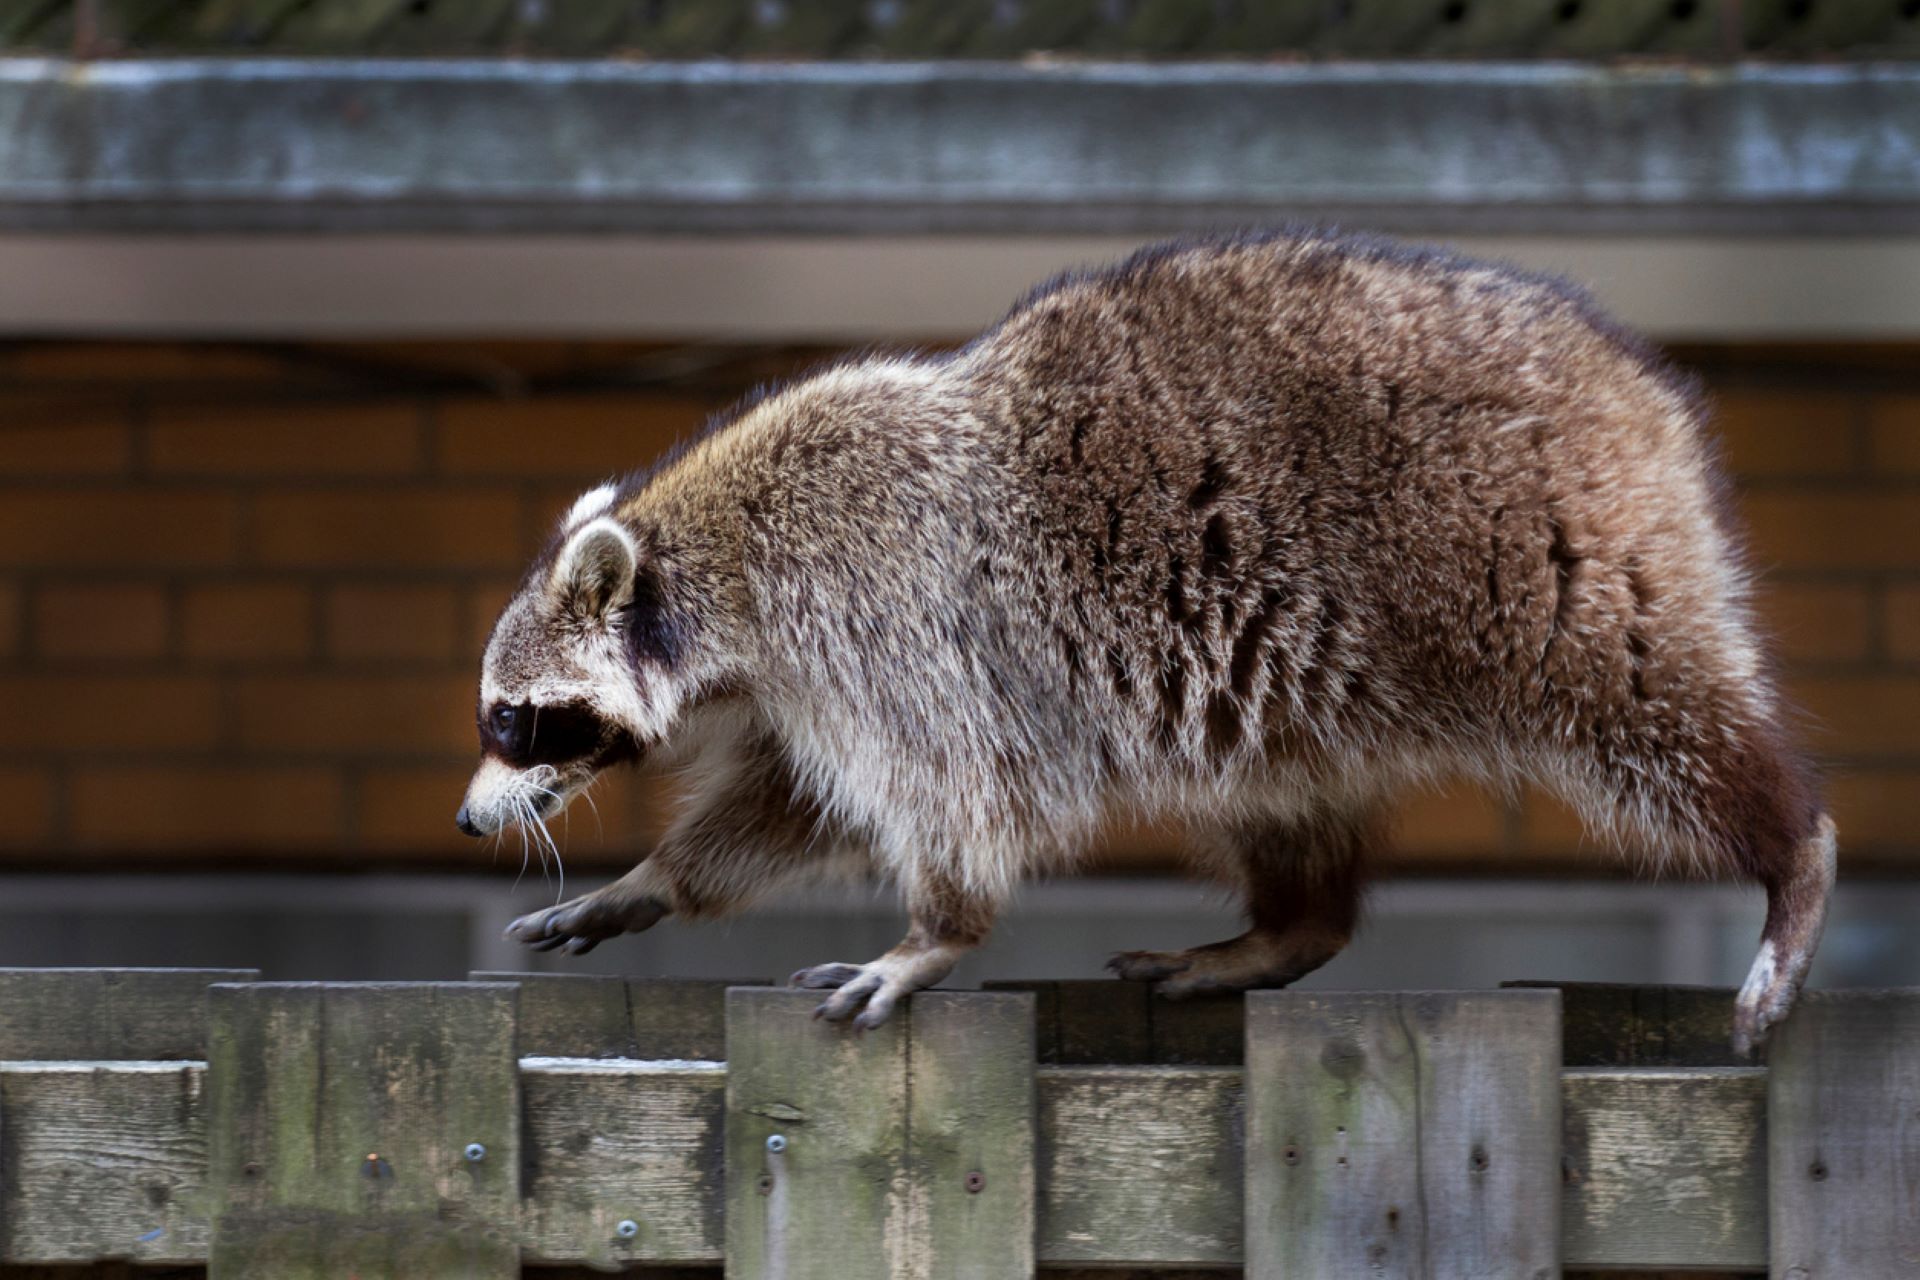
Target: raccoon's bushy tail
(1717, 784)
(1797, 891)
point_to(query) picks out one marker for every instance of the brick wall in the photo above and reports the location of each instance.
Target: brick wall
(243, 589)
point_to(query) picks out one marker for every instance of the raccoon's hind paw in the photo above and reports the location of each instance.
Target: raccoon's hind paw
(1147, 966)
(1257, 958)
(580, 925)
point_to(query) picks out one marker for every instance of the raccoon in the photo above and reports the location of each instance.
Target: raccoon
(1249, 535)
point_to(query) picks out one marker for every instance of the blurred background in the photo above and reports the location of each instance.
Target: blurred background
(314, 315)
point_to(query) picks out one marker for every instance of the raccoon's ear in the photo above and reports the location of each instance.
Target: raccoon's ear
(594, 572)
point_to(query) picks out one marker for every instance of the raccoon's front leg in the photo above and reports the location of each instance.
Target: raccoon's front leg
(947, 922)
(746, 829)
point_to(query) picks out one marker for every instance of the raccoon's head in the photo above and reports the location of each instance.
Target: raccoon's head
(580, 673)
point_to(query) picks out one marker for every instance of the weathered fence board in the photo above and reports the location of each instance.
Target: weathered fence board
(1843, 1104)
(260, 1156)
(970, 1112)
(1140, 1165)
(107, 1014)
(1608, 1024)
(1137, 1165)
(1662, 1167)
(1099, 1021)
(921, 1130)
(614, 1141)
(1413, 1135)
(103, 1159)
(342, 1125)
(585, 1016)
(816, 1139)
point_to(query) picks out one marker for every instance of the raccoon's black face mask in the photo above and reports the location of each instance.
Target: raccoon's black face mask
(559, 693)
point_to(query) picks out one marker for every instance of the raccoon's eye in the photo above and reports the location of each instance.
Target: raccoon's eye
(503, 720)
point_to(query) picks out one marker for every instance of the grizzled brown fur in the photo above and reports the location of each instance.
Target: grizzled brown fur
(1251, 534)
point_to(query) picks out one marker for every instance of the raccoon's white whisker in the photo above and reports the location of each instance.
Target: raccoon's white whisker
(586, 793)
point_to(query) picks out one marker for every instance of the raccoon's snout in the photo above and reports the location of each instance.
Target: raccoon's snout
(464, 821)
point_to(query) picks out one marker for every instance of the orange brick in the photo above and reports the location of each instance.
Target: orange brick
(1834, 530)
(143, 363)
(411, 811)
(207, 810)
(10, 614)
(1135, 846)
(1894, 426)
(107, 620)
(1550, 830)
(49, 442)
(112, 528)
(1448, 825)
(239, 621)
(1902, 612)
(278, 438)
(484, 604)
(26, 797)
(546, 507)
(401, 529)
(360, 715)
(1818, 622)
(83, 713)
(1876, 808)
(591, 437)
(640, 805)
(392, 622)
(1862, 715)
(1774, 433)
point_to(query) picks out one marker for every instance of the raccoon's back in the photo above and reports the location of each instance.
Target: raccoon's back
(1331, 485)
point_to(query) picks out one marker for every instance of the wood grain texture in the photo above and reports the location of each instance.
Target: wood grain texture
(107, 1014)
(103, 1160)
(614, 1139)
(1605, 1024)
(833, 1204)
(1407, 1135)
(1099, 1022)
(970, 1133)
(338, 1117)
(587, 1016)
(1140, 1165)
(1665, 1168)
(1843, 1101)
(1136, 1165)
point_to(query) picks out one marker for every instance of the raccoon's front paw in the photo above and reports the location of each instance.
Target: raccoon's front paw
(580, 925)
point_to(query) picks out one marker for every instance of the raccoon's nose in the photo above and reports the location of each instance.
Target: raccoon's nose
(465, 823)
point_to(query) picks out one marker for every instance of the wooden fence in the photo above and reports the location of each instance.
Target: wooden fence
(468, 1129)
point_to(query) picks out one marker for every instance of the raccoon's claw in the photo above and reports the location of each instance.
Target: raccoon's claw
(584, 923)
(823, 976)
(866, 993)
(1146, 966)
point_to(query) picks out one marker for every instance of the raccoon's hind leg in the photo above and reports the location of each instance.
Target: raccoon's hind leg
(1303, 882)
(948, 920)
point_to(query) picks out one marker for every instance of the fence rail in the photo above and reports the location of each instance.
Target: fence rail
(466, 1129)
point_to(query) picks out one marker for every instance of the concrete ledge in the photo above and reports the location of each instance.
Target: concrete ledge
(725, 147)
